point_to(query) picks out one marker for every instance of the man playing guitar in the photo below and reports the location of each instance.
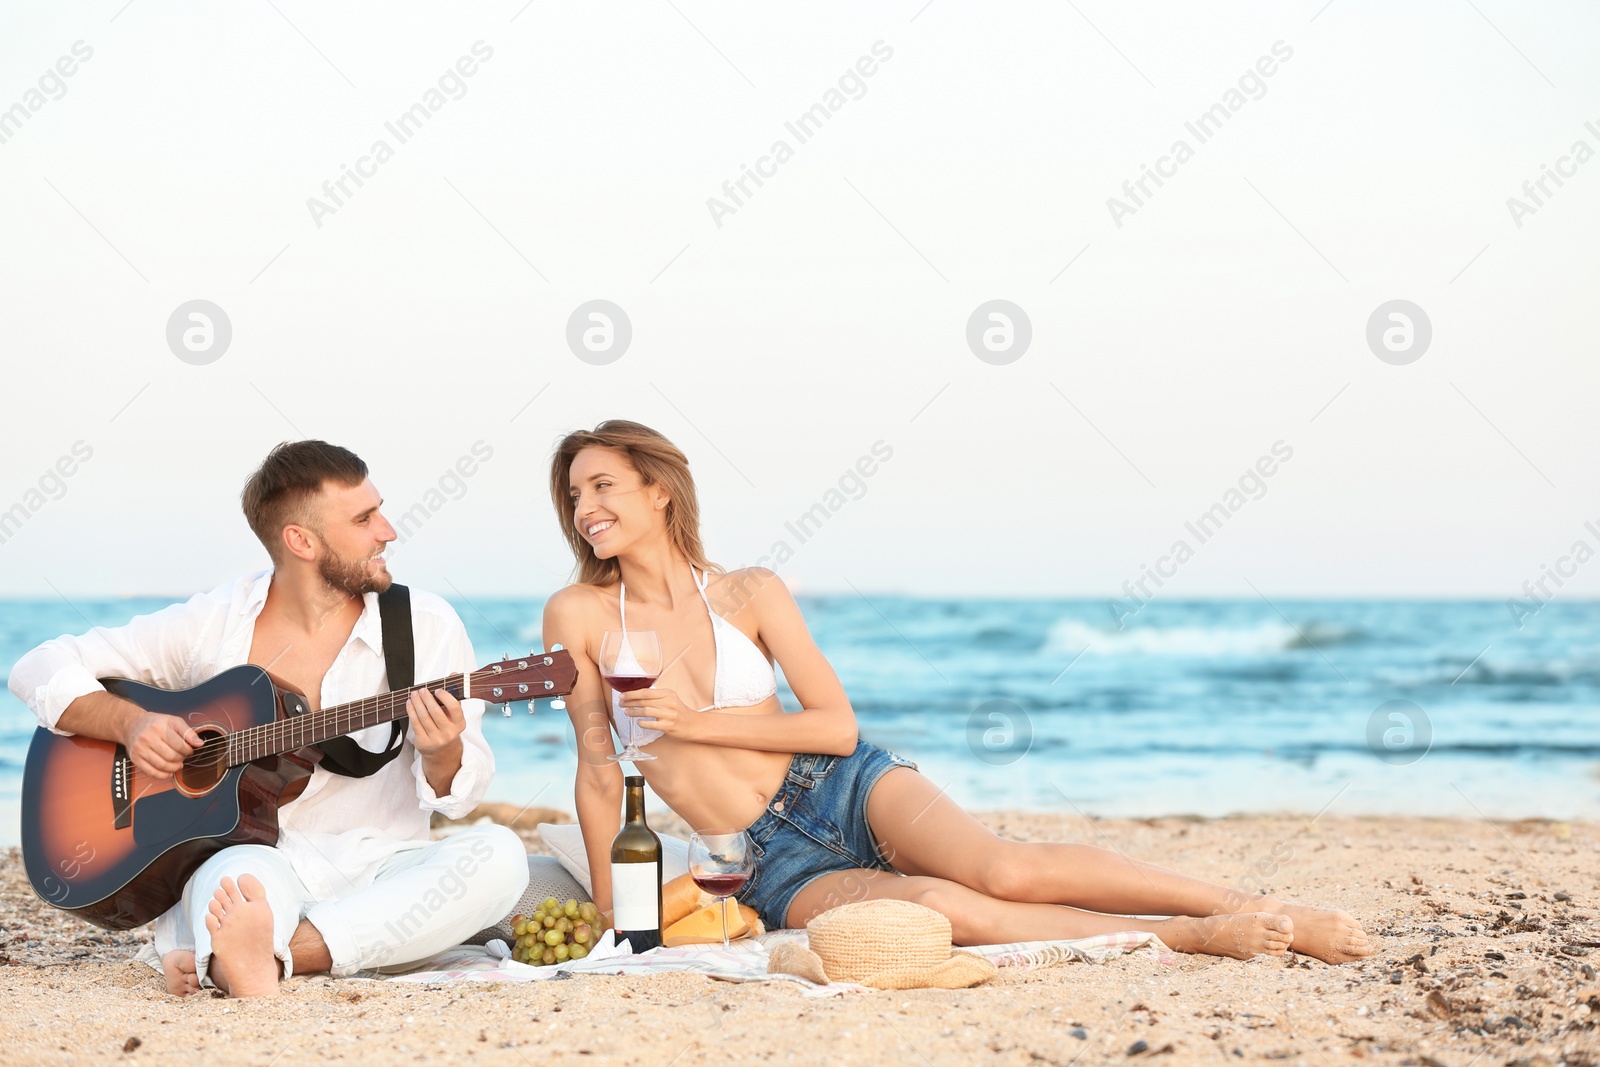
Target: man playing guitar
(355, 881)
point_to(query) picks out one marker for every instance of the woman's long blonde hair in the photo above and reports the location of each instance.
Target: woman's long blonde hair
(658, 461)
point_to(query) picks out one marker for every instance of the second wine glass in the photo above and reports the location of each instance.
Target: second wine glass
(721, 861)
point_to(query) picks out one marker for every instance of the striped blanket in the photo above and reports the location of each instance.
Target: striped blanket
(746, 960)
(742, 961)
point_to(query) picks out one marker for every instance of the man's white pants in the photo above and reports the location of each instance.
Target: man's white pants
(423, 901)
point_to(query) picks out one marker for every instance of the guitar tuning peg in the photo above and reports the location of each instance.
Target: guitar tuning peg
(505, 655)
(505, 711)
(558, 704)
(531, 707)
(556, 647)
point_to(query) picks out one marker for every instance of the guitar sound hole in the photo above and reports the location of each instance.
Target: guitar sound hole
(206, 766)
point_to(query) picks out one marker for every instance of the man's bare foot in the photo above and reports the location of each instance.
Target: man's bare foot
(178, 966)
(1238, 936)
(1331, 936)
(240, 921)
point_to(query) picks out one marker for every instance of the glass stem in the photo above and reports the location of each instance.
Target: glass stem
(722, 906)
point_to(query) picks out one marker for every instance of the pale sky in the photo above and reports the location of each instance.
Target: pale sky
(427, 309)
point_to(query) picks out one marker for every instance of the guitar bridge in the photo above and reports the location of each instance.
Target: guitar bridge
(122, 790)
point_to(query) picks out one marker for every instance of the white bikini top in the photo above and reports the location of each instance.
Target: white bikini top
(742, 675)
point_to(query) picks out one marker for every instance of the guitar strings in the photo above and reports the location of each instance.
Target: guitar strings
(216, 749)
(322, 719)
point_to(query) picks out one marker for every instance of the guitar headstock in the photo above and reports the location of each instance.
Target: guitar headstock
(538, 674)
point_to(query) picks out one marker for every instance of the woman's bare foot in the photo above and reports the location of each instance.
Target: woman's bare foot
(178, 966)
(1238, 936)
(240, 921)
(1331, 936)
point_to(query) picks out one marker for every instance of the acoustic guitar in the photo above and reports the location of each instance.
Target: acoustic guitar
(115, 847)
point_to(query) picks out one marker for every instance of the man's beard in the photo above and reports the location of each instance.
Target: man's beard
(352, 576)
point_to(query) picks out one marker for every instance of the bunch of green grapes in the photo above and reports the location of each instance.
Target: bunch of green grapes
(556, 932)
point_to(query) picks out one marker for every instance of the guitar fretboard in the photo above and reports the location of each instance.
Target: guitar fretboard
(299, 731)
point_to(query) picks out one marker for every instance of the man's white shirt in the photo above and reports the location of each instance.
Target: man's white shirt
(340, 830)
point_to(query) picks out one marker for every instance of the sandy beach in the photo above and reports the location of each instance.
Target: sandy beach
(1488, 935)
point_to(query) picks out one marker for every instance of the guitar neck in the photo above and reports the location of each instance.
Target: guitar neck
(315, 727)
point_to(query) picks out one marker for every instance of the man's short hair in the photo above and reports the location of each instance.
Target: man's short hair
(281, 489)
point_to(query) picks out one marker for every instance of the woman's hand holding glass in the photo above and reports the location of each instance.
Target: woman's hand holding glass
(630, 661)
(661, 710)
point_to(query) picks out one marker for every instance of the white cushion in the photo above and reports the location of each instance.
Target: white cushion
(565, 841)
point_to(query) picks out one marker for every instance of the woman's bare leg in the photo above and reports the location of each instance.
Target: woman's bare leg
(976, 919)
(924, 832)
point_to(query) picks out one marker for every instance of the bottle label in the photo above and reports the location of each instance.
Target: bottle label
(636, 896)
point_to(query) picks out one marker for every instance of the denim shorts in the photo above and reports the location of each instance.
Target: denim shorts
(816, 824)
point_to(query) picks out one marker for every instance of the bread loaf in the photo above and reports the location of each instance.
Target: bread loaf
(679, 897)
(689, 916)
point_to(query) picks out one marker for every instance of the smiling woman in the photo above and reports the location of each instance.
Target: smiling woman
(833, 818)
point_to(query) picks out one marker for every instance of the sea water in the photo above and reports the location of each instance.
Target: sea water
(1203, 707)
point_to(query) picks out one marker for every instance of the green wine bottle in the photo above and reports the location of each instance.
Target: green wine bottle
(636, 875)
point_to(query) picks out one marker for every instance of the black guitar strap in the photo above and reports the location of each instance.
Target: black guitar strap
(342, 755)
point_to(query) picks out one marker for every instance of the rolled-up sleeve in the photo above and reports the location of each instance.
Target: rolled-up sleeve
(472, 779)
(468, 787)
(157, 649)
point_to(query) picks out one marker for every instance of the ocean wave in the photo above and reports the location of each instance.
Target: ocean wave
(1071, 636)
(1526, 674)
(1326, 635)
(1087, 749)
(1457, 670)
(1279, 671)
(1003, 638)
(1575, 749)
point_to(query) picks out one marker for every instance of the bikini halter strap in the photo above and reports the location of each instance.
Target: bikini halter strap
(701, 580)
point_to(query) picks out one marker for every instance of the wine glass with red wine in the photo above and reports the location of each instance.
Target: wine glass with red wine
(630, 660)
(721, 862)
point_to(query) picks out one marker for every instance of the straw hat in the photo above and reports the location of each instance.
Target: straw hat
(886, 944)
